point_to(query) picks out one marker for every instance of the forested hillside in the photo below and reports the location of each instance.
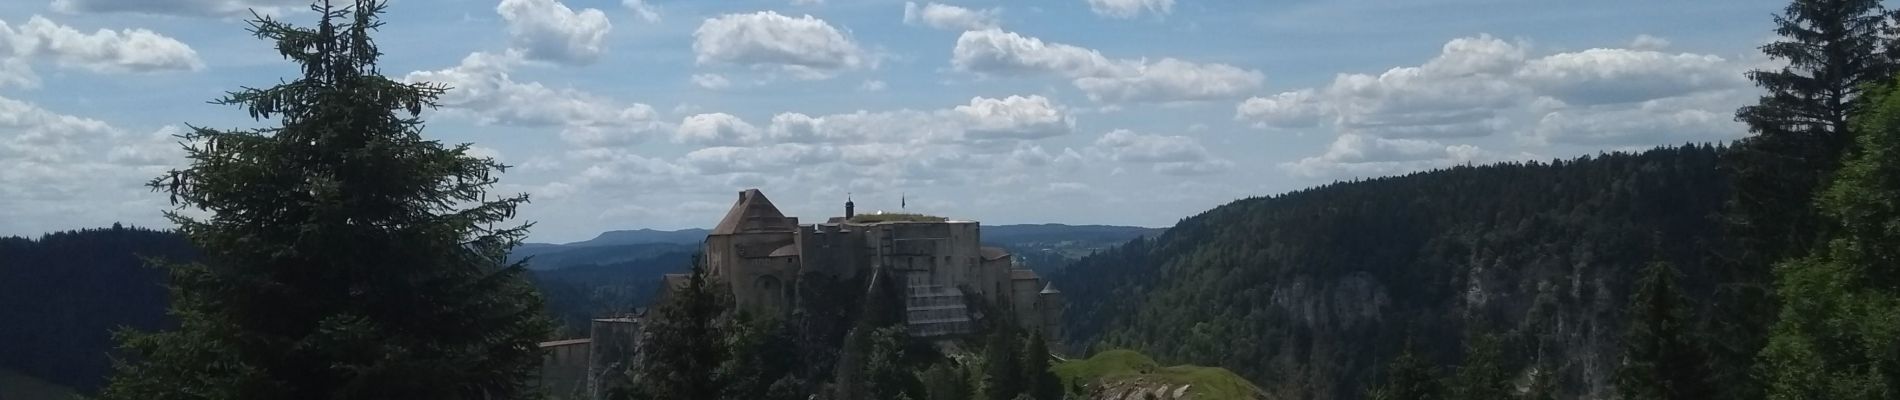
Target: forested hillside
(67, 291)
(1308, 292)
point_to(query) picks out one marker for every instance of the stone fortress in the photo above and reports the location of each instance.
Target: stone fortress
(761, 254)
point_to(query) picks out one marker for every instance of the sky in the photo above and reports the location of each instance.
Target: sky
(625, 114)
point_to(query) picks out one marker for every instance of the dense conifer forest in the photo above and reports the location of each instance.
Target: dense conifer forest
(1310, 291)
(82, 286)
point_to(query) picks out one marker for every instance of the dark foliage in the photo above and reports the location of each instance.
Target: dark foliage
(1310, 291)
(1834, 49)
(66, 292)
(683, 345)
(1408, 377)
(346, 256)
(578, 294)
(1663, 358)
(1840, 315)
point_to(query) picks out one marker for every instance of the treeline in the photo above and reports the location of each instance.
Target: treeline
(1761, 269)
(1307, 293)
(63, 294)
(841, 342)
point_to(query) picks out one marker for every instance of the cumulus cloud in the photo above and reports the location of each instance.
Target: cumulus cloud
(994, 51)
(718, 129)
(59, 170)
(949, 17)
(1173, 155)
(196, 8)
(481, 89)
(1015, 117)
(1702, 117)
(807, 47)
(1296, 109)
(1130, 8)
(548, 30)
(1481, 86)
(1359, 155)
(103, 51)
(994, 123)
(1603, 76)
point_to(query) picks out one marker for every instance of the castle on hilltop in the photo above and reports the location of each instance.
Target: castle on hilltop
(761, 254)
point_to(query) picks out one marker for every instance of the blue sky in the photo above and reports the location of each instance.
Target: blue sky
(623, 114)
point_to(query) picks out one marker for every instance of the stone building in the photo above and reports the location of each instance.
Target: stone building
(761, 254)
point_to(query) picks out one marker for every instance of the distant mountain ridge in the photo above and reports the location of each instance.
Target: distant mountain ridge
(1042, 246)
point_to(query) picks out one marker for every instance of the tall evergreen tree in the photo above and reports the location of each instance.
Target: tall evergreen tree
(1661, 359)
(1039, 381)
(683, 344)
(1840, 312)
(946, 381)
(1002, 369)
(1482, 376)
(1408, 377)
(1833, 50)
(887, 368)
(346, 256)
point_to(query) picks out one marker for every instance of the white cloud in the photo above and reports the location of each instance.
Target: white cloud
(711, 81)
(806, 46)
(1173, 155)
(1015, 117)
(481, 89)
(1360, 156)
(58, 170)
(198, 8)
(872, 85)
(718, 129)
(993, 51)
(949, 17)
(1460, 93)
(1604, 76)
(103, 51)
(1130, 8)
(647, 12)
(1296, 109)
(1402, 119)
(549, 30)
(776, 157)
(1704, 117)
(1171, 80)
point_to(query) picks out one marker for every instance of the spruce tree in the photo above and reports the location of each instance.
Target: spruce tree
(1482, 376)
(1661, 358)
(1408, 377)
(1841, 306)
(887, 371)
(1039, 382)
(683, 344)
(1833, 49)
(1002, 369)
(946, 381)
(345, 255)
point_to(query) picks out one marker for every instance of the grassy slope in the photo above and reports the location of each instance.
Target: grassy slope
(1207, 383)
(14, 386)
